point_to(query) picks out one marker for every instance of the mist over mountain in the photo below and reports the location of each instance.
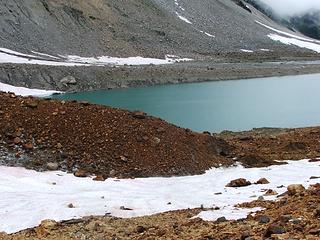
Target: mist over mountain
(303, 17)
(291, 7)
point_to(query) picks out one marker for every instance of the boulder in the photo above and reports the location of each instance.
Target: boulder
(52, 166)
(296, 189)
(68, 80)
(262, 181)
(240, 182)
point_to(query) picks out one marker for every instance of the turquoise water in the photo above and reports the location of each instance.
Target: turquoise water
(291, 101)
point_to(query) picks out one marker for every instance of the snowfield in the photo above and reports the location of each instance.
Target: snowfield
(22, 91)
(9, 56)
(27, 196)
(292, 39)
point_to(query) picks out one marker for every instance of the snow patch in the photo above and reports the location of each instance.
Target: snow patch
(246, 50)
(289, 34)
(9, 56)
(208, 34)
(183, 18)
(22, 91)
(293, 41)
(27, 197)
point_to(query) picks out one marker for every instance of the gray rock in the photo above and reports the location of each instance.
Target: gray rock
(274, 229)
(68, 80)
(52, 166)
(221, 219)
(263, 219)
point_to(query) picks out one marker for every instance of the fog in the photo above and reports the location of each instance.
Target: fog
(290, 7)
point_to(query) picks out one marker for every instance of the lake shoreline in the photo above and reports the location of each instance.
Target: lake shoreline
(90, 78)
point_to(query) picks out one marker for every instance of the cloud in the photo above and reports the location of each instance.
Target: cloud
(290, 7)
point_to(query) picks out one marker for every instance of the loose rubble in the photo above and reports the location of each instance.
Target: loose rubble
(85, 139)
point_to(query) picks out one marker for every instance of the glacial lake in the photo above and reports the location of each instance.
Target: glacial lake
(290, 101)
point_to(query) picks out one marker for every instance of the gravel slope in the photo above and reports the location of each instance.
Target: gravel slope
(131, 28)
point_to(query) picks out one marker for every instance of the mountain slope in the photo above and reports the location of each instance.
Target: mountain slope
(132, 27)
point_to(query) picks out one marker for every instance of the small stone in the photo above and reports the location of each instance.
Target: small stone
(31, 104)
(295, 220)
(70, 205)
(80, 173)
(285, 218)
(270, 192)
(28, 146)
(245, 235)
(92, 226)
(262, 181)
(315, 160)
(112, 173)
(295, 189)
(139, 115)
(16, 140)
(245, 138)
(315, 231)
(261, 198)
(274, 229)
(68, 80)
(52, 166)
(59, 145)
(125, 208)
(314, 177)
(124, 159)
(141, 229)
(84, 103)
(49, 224)
(99, 178)
(221, 219)
(156, 141)
(240, 182)
(263, 219)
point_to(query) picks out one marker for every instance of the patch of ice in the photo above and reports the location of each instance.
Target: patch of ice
(11, 52)
(46, 55)
(9, 56)
(22, 91)
(27, 197)
(293, 41)
(208, 34)
(183, 18)
(289, 34)
(246, 50)
(178, 5)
